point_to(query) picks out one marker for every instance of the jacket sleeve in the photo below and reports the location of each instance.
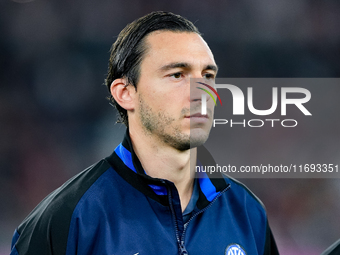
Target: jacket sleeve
(44, 231)
(14, 240)
(270, 246)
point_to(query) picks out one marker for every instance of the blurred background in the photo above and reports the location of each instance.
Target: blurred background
(55, 119)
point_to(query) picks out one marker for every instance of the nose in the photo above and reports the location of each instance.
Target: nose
(195, 92)
(200, 87)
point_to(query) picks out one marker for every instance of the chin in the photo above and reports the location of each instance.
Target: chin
(198, 137)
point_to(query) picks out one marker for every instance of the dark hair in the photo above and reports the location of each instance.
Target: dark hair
(128, 50)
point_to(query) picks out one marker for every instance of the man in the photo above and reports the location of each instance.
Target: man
(141, 199)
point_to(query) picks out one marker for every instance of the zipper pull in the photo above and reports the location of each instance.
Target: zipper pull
(182, 249)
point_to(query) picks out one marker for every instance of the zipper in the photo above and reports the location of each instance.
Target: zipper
(199, 212)
(182, 250)
(180, 241)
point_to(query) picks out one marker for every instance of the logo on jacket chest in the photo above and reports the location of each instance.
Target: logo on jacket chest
(235, 249)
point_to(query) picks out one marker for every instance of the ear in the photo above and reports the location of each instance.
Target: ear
(123, 94)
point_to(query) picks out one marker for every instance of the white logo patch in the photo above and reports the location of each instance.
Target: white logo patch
(235, 249)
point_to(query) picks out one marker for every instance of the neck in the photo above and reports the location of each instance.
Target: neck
(165, 162)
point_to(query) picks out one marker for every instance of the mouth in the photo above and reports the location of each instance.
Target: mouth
(197, 115)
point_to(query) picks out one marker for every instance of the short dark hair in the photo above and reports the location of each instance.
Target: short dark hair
(128, 50)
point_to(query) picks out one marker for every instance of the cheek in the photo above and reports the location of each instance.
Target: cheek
(169, 98)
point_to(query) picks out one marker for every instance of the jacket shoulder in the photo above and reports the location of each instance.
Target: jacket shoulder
(255, 212)
(52, 216)
(243, 190)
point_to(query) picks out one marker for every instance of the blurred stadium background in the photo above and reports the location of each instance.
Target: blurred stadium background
(55, 120)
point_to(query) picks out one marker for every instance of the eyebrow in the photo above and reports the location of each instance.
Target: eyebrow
(211, 67)
(174, 65)
(185, 65)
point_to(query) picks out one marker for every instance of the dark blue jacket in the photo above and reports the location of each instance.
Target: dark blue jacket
(114, 208)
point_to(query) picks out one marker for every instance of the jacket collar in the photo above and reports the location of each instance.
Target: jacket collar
(126, 163)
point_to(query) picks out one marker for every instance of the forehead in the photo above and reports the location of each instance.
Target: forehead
(167, 46)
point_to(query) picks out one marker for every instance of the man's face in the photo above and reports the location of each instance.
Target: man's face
(166, 109)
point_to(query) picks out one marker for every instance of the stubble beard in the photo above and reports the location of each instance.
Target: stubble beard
(162, 125)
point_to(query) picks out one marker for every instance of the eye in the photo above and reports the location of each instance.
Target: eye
(209, 76)
(176, 75)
